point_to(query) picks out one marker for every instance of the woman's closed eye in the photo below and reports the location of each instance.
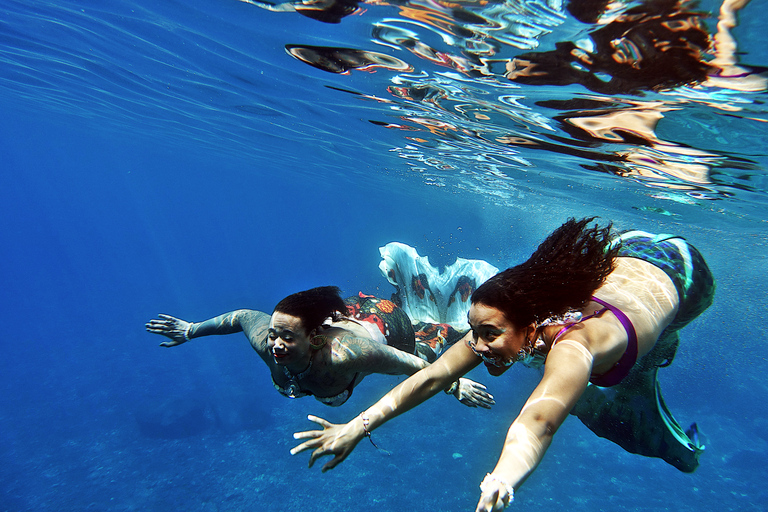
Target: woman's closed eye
(273, 335)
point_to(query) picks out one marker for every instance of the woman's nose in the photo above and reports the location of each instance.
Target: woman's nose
(481, 347)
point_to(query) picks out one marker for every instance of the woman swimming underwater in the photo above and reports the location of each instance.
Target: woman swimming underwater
(601, 312)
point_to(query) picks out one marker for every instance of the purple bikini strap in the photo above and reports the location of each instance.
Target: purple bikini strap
(625, 322)
(628, 359)
(624, 319)
(565, 329)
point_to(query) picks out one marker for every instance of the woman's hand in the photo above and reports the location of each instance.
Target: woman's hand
(473, 394)
(336, 440)
(490, 502)
(496, 495)
(174, 328)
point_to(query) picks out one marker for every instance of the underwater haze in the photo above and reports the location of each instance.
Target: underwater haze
(193, 158)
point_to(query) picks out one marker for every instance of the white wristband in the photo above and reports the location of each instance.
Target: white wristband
(186, 331)
(490, 477)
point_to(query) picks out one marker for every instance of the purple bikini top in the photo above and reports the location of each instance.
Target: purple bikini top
(622, 367)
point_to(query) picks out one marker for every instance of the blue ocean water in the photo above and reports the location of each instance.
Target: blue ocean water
(169, 157)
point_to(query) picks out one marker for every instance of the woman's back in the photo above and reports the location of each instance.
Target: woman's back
(646, 295)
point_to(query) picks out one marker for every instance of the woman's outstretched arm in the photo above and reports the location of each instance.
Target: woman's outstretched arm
(180, 331)
(367, 357)
(566, 375)
(340, 440)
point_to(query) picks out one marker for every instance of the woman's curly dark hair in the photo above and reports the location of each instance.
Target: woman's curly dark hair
(560, 275)
(313, 306)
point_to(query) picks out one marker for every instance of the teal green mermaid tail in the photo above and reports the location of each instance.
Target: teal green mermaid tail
(633, 414)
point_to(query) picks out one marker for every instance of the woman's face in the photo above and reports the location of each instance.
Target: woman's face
(287, 339)
(494, 338)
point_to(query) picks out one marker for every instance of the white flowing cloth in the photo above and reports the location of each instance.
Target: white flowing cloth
(438, 298)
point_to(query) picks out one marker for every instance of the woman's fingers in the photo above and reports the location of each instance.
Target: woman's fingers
(489, 502)
(315, 440)
(481, 395)
(159, 325)
(329, 441)
(170, 327)
(486, 400)
(314, 436)
(320, 451)
(166, 321)
(308, 434)
(306, 445)
(320, 421)
(333, 462)
(474, 394)
(316, 455)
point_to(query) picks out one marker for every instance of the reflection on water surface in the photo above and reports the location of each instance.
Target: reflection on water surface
(504, 98)
(475, 85)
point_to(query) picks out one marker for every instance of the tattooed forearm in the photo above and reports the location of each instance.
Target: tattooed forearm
(371, 357)
(228, 323)
(255, 326)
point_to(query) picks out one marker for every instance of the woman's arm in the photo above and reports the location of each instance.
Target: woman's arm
(181, 331)
(363, 355)
(340, 440)
(566, 375)
(366, 356)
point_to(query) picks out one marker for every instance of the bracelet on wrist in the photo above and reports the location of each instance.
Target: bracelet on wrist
(186, 331)
(452, 388)
(367, 433)
(490, 477)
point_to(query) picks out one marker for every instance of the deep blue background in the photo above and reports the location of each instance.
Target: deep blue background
(105, 223)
